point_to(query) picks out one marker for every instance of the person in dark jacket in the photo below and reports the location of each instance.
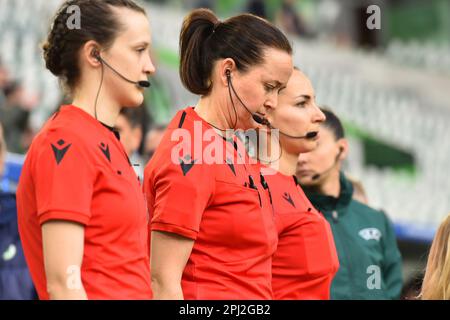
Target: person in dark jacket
(14, 115)
(2, 151)
(15, 280)
(10, 166)
(370, 262)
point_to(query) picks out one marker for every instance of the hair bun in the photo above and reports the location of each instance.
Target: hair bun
(52, 62)
(54, 47)
(61, 49)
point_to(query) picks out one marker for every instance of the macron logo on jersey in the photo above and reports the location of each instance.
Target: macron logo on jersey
(60, 150)
(370, 234)
(186, 164)
(105, 150)
(288, 198)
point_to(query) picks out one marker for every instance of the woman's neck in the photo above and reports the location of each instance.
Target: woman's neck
(106, 110)
(210, 109)
(276, 157)
(330, 185)
(287, 164)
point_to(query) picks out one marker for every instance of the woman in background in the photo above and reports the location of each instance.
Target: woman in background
(436, 283)
(305, 260)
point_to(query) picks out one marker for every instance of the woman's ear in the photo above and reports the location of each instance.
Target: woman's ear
(225, 68)
(343, 148)
(90, 54)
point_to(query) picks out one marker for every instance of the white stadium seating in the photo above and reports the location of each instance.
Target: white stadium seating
(376, 93)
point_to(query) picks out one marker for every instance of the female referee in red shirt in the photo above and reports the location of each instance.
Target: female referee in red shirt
(305, 260)
(212, 228)
(82, 215)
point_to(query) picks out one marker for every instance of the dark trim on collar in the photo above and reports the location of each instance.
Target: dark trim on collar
(112, 129)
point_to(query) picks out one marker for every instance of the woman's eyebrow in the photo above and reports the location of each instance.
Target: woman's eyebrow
(276, 83)
(142, 43)
(305, 96)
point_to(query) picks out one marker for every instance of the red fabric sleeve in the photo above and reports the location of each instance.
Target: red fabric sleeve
(64, 178)
(179, 199)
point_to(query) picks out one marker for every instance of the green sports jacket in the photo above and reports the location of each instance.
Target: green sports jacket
(370, 262)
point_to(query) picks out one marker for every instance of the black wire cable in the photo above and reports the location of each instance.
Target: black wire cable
(234, 109)
(98, 93)
(265, 122)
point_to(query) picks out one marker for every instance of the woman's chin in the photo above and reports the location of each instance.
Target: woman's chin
(307, 146)
(135, 101)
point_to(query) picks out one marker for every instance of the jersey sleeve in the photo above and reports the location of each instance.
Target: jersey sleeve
(181, 190)
(63, 177)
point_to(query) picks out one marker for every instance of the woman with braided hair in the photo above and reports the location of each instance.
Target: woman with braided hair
(81, 212)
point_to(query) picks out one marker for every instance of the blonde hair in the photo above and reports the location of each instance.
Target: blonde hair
(359, 193)
(436, 283)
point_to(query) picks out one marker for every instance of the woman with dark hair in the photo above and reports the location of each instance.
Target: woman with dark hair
(82, 215)
(212, 231)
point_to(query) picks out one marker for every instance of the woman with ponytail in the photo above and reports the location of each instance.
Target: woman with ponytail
(212, 229)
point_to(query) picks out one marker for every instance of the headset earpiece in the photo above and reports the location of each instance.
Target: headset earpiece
(96, 55)
(228, 73)
(339, 155)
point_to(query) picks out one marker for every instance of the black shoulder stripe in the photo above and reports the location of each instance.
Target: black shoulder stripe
(183, 116)
(55, 115)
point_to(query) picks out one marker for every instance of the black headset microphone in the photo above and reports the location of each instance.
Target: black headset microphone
(261, 120)
(96, 55)
(336, 161)
(142, 83)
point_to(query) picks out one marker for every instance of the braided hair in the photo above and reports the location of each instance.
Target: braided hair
(98, 23)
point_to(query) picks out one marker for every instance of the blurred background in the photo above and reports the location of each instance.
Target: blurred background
(391, 86)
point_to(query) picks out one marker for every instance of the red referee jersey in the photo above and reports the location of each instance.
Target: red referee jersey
(306, 260)
(222, 206)
(77, 170)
